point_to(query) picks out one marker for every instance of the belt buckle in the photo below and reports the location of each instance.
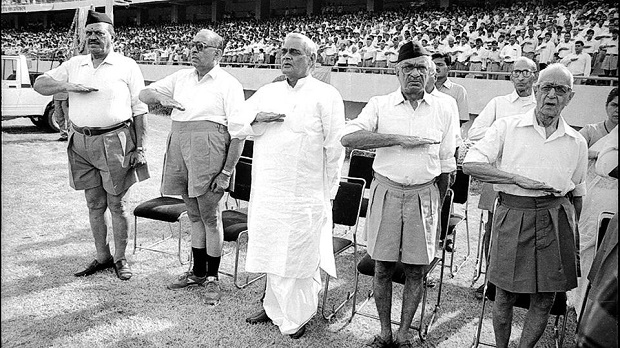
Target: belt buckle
(86, 131)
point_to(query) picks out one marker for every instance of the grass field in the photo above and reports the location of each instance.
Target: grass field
(46, 238)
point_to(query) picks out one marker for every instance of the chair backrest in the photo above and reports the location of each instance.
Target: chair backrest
(248, 149)
(243, 180)
(461, 187)
(348, 202)
(446, 211)
(360, 165)
(603, 223)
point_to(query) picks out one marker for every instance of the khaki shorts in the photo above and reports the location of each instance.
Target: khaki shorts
(101, 160)
(196, 152)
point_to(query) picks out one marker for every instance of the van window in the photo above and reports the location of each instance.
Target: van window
(9, 69)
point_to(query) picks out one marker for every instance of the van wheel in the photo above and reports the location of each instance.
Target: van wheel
(48, 118)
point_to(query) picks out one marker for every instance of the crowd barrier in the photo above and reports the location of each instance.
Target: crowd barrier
(356, 88)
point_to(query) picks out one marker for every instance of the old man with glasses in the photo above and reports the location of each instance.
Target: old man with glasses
(202, 151)
(538, 166)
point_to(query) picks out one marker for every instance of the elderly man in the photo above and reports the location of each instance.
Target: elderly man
(202, 151)
(106, 142)
(447, 86)
(537, 163)
(295, 125)
(518, 102)
(415, 136)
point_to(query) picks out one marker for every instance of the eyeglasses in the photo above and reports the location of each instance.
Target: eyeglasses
(291, 51)
(407, 69)
(199, 45)
(525, 73)
(560, 90)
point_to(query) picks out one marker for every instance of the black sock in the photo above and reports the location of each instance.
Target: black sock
(213, 265)
(200, 262)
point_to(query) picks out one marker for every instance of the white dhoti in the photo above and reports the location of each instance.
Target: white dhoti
(291, 302)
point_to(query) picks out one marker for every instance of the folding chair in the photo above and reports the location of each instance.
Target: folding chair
(479, 251)
(235, 221)
(367, 267)
(601, 228)
(345, 211)
(167, 209)
(461, 196)
(558, 309)
(360, 166)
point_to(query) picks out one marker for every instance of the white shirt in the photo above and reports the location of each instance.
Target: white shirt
(354, 58)
(578, 64)
(381, 57)
(392, 114)
(546, 50)
(500, 107)
(518, 145)
(295, 171)
(565, 48)
(510, 53)
(367, 52)
(216, 97)
(459, 93)
(454, 112)
(119, 82)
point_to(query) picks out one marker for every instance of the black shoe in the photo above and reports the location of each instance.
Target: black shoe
(258, 317)
(63, 138)
(449, 248)
(95, 267)
(123, 271)
(379, 342)
(299, 333)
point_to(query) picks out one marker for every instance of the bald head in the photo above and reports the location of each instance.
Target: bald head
(556, 73)
(522, 63)
(210, 37)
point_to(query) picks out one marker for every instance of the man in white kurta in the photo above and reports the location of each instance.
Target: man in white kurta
(295, 125)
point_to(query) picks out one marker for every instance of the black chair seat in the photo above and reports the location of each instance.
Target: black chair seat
(340, 244)
(366, 266)
(167, 209)
(234, 222)
(523, 300)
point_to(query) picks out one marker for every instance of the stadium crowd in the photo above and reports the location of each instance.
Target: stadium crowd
(477, 39)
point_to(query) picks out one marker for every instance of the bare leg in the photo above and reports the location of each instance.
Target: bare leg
(536, 318)
(198, 227)
(383, 296)
(412, 293)
(502, 316)
(210, 216)
(120, 224)
(96, 202)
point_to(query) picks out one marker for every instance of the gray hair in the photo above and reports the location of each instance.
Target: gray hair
(526, 60)
(308, 45)
(214, 38)
(556, 67)
(432, 68)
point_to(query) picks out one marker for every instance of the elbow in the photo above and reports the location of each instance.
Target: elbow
(346, 141)
(143, 96)
(467, 168)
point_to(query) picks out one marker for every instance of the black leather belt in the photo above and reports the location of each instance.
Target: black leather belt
(92, 131)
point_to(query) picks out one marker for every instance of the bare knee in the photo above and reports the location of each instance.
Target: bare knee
(384, 271)
(414, 272)
(542, 302)
(505, 298)
(116, 204)
(96, 201)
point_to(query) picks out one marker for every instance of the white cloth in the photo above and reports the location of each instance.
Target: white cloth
(578, 64)
(119, 82)
(291, 302)
(602, 196)
(392, 114)
(216, 97)
(499, 107)
(295, 171)
(546, 50)
(517, 144)
(510, 53)
(565, 48)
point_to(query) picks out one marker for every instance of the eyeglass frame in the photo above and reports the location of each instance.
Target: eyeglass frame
(540, 87)
(408, 69)
(525, 73)
(197, 44)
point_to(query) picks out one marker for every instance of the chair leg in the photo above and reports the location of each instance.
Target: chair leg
(248, 281)
(350, 295)
(479, 252)
(135, 234)
(559, 333)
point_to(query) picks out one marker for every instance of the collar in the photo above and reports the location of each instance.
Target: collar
(398, 97)
(214, 72)
(111, 59)
(448, 84)
(300, 83)
(513, 97)
(529, 120)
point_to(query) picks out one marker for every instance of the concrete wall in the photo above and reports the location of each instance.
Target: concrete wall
(588, 105)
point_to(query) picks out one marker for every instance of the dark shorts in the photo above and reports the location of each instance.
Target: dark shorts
(101, 160)
(195, 154)
(533, 247)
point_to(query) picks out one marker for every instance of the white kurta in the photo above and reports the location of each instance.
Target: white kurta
(295, 171)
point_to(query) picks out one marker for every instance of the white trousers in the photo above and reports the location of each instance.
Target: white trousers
(291, 302)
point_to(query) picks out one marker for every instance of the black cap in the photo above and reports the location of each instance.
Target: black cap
(96, 17)
(411, 50)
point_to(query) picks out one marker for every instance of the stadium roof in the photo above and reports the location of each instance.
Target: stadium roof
(17, 7)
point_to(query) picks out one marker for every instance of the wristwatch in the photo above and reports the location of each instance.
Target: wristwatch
(225, 172)
(140, 149)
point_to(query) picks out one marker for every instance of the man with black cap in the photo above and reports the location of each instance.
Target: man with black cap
(106, 142)
(415, 137)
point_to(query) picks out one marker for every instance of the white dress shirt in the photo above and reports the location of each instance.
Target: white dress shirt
(518, 145)
(393, 114)
(499, 107)
(578, 64)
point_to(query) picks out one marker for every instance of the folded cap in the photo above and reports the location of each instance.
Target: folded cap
(96, 17)
(411, 50)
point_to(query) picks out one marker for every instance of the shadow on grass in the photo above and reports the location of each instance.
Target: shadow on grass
(21, 129)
